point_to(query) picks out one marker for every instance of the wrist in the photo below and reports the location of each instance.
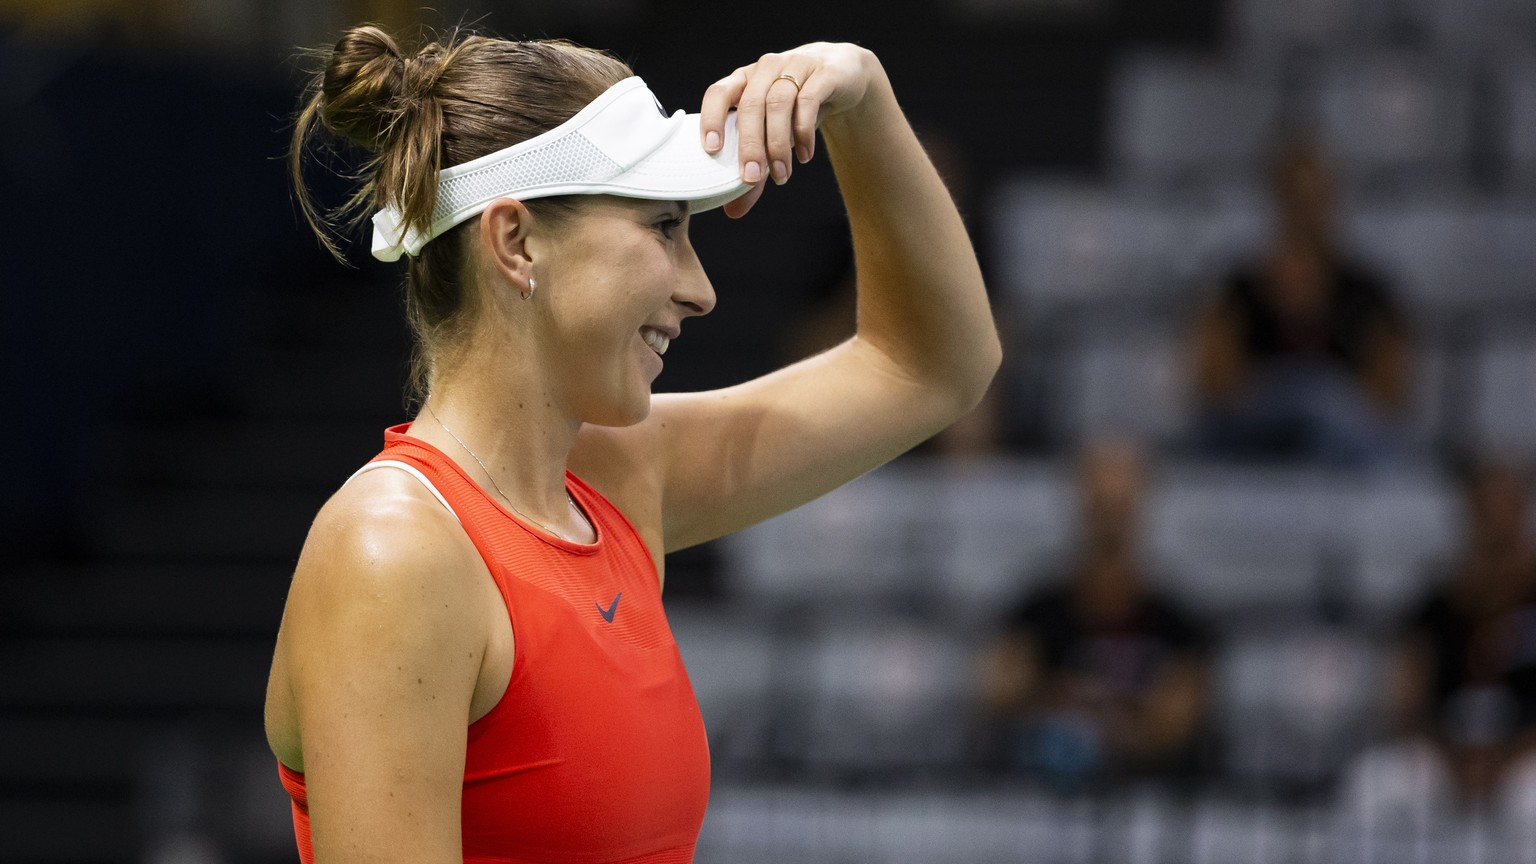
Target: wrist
(877, 99)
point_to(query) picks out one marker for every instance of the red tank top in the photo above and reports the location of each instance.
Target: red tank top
(596, 753)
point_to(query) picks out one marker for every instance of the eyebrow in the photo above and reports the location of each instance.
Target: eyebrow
(677, 210)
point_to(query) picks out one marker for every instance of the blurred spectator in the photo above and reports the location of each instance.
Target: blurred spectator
(1304, 354)
(1099, 676)
(1463, 696)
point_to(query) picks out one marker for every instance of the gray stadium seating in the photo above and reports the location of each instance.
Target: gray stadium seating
(1176, 119)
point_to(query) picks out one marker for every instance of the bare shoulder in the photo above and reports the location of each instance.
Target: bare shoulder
(388, 591)
(384, 532)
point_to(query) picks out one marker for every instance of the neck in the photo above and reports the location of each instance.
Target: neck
(519, 433)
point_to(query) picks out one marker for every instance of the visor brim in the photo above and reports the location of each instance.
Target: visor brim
(682, 170)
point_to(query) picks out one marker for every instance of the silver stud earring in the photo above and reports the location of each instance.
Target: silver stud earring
(532, 287)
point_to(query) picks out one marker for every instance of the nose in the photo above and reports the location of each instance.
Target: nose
(693, 290)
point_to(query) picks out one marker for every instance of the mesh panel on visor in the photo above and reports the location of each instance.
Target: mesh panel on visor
(570, 158)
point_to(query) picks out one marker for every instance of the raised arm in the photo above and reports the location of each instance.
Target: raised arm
(925, 347)
(921, 301)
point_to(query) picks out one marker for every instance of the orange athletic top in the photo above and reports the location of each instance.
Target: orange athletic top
(596, 754)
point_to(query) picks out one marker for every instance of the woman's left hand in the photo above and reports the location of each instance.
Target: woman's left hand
(779, 101)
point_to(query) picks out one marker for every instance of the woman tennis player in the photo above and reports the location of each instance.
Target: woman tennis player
(473, 663)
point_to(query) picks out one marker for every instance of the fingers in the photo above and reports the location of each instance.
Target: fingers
(784, 107)
(774, 114)
(751, 117)
(738, 207)
(777, 100)
(718, 100)
(778, 137)
(813, 94)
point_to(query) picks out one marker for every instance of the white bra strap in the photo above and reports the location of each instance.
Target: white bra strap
(411, 470)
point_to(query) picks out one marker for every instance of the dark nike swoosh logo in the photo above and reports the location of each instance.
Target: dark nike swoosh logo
(608, 613)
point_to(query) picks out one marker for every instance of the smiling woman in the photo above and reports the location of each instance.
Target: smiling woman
(455, 676)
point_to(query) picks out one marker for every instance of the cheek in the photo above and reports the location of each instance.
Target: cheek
(601, 300)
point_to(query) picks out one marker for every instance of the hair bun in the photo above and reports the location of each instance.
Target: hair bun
(458, 98)
(363, 86)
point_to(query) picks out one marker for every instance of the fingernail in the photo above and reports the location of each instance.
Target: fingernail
(752, 173)
(780, 173)
(712, 141)
(803, 155)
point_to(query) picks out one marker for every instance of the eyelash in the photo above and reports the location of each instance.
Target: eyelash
(668, 226)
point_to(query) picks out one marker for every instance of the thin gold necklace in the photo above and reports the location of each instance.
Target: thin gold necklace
(491, 477)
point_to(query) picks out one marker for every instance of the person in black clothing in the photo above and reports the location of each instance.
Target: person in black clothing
(1462, 699)
(1099, 676)
(1304, 354)
(1472, 644)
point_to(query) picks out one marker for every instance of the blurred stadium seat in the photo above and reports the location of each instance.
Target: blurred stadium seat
(1125, 380)
(734, 662)
(1293, 704)
(1395, 118)
(851, 545)
(1176, 120)
(999, 526)
(1068, 246)
(1518, 116)
(1245, 541)
(1453, 258)
(1403, 525)
(1504, 393)
(879, 696)
(1261, 27)
(1076, 249)
(1227, 832)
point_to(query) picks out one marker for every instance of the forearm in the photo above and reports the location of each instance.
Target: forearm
(921, 299)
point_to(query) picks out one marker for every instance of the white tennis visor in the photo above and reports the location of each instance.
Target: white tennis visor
(621, 143)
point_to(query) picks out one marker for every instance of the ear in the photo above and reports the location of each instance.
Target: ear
(504, 229)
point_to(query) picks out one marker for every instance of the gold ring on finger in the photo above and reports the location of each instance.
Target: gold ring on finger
(792, 79)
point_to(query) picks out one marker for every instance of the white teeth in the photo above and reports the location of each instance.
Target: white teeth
(654, 339)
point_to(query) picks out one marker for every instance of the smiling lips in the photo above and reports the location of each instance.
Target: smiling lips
(656, 339)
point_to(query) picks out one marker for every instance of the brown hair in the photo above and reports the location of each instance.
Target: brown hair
(457, 98)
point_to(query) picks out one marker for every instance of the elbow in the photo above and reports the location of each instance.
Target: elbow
(951, 397)
(947, 382)
(991, 359)
(974, 372)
